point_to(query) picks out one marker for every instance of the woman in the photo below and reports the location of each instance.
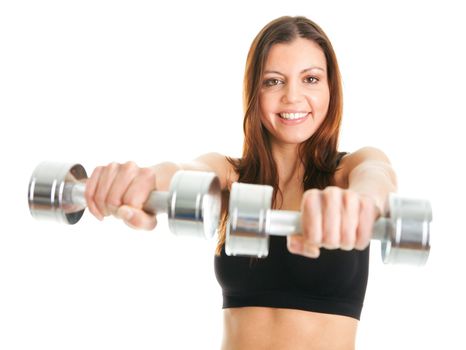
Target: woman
(309, 292)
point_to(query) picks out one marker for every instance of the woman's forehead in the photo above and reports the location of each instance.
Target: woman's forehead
(299, 52)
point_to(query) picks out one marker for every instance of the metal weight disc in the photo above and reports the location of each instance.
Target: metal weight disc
(408, 230)
(246, 229)
(194, 204)
(48, 189)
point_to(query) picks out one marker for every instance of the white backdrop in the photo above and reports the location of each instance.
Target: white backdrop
(100, 81)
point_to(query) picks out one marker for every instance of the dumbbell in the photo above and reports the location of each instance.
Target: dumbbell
(193, 202)
(404, 232)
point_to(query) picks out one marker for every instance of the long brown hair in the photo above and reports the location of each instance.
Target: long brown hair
(319, 153)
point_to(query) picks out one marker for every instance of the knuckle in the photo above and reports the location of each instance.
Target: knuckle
(114, 201)
(332, 191)
(129, 166)
(364, 203)
(113, 166)
(331, 195)
(349, 198)
(97, 170)
(310, 197)
(100, 199)
(110, 168)
(148, 175)
(147, 172)
(367, 203)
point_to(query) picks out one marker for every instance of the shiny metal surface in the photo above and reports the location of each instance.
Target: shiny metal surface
(193, 203)
(246, 230)
(49, 192)
(404, 232)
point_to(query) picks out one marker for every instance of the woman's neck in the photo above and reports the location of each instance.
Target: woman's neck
(289, 166)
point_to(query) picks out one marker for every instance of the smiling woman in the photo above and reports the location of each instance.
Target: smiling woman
(149, 81)
(293, 109)
(309, 292)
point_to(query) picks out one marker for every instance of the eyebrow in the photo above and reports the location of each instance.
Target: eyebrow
(303, 71)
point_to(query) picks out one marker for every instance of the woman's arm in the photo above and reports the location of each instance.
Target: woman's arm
(369, 172)
(122, 189)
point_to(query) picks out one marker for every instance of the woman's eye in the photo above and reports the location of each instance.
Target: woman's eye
(311, 80)
(271, 82)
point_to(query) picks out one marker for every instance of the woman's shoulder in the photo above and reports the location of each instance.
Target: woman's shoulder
(223, 166)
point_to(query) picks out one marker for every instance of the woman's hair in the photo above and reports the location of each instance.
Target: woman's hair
(319, 153)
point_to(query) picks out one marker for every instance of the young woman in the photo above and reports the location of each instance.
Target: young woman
(309, 292)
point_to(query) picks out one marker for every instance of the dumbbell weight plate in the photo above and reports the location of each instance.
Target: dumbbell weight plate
(407, 231)
(48, 192)
(194, 204)
(246, 227)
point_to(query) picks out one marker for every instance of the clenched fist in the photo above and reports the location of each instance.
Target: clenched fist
(334, 218)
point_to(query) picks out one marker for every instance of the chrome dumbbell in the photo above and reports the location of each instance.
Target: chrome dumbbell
(404, 232)
(193, 202)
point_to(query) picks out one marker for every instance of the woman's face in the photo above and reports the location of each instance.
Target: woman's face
(294, 95)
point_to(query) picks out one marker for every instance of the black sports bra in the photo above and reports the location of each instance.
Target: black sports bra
(334, 283)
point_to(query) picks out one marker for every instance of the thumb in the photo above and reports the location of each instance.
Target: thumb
(136, 218)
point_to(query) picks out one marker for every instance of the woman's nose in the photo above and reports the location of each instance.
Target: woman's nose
(292, 94)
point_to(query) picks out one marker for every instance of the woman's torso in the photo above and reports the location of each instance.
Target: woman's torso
(286, 329)
(257, 326)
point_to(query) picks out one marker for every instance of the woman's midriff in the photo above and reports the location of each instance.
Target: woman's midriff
(270, 328)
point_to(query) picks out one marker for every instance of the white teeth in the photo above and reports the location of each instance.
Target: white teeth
(291, 116)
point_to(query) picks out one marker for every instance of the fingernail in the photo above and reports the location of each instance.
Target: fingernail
(312, 252)
(126, 213)
(112, 209)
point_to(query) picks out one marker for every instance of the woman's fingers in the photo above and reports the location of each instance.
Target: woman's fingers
(334, 218)
(123, 179)
(121, 190)
(91, 186)
(331, 217)
(134, 196)
(136, 218)
(349, 220)
(104, 183)
(368, 213)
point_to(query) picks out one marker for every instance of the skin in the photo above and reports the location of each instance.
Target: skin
(339, 217)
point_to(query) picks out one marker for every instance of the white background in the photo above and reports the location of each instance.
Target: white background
(100, 81)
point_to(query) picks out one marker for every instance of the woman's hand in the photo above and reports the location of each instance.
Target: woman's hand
(121, 190)
(334, 218)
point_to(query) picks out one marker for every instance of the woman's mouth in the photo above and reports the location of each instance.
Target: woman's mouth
(293, 116)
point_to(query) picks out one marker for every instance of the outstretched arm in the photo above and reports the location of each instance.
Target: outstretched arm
(369, 172)
(122, 189)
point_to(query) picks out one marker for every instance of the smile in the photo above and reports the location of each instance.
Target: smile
(293, 116)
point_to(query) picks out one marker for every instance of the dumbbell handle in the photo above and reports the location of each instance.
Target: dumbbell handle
(287, 222)
(157, 202)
